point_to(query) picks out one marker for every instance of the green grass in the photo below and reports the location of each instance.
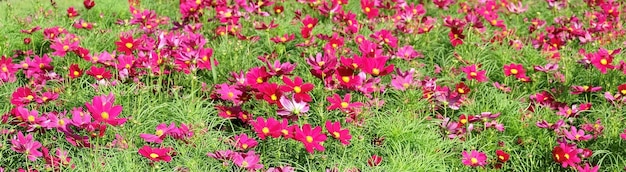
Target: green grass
(412, 139)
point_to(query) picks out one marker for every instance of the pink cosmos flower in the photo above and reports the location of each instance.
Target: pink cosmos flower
(587, 168)
(602, 60)
(403, 80)
(474, 158)
(281, 169)
(248, 161)
(334, 129)
(104, 111)
(368, 7)
(62, 46)
(345, 105)
(229, 93)
(575, 134)
(162, 130)
(26, 145)
(584, 89)
(472, 72)
(7, 70)
(376, 66)
(408, 53)
(264, 128)
(311, 138)
(243, 142)
(156, 154)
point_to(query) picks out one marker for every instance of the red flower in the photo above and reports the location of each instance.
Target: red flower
(269, 92)
(75, 71)
(456, 37)
(514, 69)
(299, 88)
(278, 9)
(566, 155)
(502, 156)
(99, 73)
(71, 12)
(127, 44)
(375, 160)
(283, 39)
(89, 4)
(311, 138)
(156, 154)
(622, 89)
(461, 88)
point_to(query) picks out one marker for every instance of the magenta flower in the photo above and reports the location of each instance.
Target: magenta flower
(584, 89)
(311, 138)
(264, 128)
(403, 80)
(575, 134)
(474, 158)
(156, 154)
(514, 69)
(248, 161)
(162, 130)
(103, 110)
(26, 145)
(472, 72)
(229, 93)
(587, 168)
(243, 142)
(334, 129)
(300, 89)
(345, 105)
(602, 60)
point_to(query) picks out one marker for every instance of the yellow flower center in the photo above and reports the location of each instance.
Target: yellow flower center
(566, 156)
(259, 80)
(129, 45)
(405, 85)
(244, 164)
(623, 92)
(231, 95)
(345, 79)
(297, 89)
(31, 118)
(30, 97)
(474, 161)
(61, 122)
(283, 39)
(344, 104)
(285, 132)
(265, 130)
(273, 97)
(84, 25)
(154, 155)
(5, 69)
(159, 133)
(585, 88)
(604, 62)
(514, 71)
(460, 90)
(99, 76)
(65, 48)
(244, 146)
(309, 139)
(76, 73)
(367, 9)
(375, 71)
(309, 25)
(501, 157)
(104, 115)
(473, 74)
(336, 134)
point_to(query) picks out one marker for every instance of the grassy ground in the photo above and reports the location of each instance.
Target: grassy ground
(413, 140)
